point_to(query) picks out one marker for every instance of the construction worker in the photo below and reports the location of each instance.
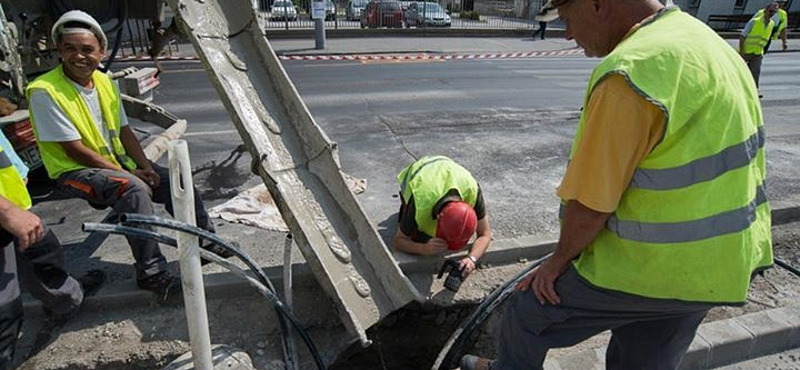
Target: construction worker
(19, 229)
(88, 148)
(754, 38)
(664, 213)
(781, 20)
(442, 208)
(40, 266)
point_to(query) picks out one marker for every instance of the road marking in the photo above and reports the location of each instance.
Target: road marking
(191, 70)
(206, 133)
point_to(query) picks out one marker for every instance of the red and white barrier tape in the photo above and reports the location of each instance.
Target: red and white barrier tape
(425, 56)
(385, 57)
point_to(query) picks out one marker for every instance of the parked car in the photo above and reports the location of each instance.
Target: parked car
(382, 14)
(330, 10)
(354, 9)
(283, 10)
(426, 14)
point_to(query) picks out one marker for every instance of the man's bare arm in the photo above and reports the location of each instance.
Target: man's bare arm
(87, 157)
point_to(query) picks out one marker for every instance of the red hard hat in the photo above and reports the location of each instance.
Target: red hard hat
(456, 224)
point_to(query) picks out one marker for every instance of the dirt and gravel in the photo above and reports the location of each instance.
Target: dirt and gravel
(150, 335)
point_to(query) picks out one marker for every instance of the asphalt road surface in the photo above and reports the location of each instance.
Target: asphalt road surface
(510, 121)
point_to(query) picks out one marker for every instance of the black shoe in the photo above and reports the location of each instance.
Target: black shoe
(55, 320)
(91, 282)
(163, 284)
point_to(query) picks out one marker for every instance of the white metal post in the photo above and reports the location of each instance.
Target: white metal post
(287, 296)
(194, 296)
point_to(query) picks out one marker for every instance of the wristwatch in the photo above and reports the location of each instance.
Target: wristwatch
(473, 259)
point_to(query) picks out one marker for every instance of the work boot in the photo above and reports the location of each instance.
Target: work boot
(163, 284)
(472, 362)
(90, 284)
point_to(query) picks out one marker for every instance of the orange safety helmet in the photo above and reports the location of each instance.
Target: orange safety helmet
(456, 224)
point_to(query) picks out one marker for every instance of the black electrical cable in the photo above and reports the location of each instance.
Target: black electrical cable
(132, 218)
(122, 17)
(787, 266)
(450, 354)
(135, 218)
(269, 292)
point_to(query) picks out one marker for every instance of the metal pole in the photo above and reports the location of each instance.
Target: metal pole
(194, 296)
(319, 33)
(318, 13)
(287, 293)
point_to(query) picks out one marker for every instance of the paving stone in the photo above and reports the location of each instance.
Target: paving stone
(791, 316)
(770, 335)
(697, 356)
(729, 341)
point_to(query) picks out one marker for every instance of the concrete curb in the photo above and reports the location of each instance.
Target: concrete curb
(717, 343)
(223, 284)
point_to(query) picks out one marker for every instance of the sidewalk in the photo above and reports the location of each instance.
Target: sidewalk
(416, 44)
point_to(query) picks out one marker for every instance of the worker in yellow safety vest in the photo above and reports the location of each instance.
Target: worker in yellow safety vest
(755, 37)
(780, 20)
(19, 229)
(88, 148)
(664, 213)
(441, 209)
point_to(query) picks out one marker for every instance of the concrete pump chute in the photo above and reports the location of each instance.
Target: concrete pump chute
(297, 162)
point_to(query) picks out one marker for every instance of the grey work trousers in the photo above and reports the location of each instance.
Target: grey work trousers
(10, 306)
(754, 64)
(646, 333)
(41, 274)
(127, 193)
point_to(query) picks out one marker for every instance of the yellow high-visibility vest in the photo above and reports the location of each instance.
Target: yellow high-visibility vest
(56, 84)
(694, 222)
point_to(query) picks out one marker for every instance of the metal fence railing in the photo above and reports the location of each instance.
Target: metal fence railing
(351, 14)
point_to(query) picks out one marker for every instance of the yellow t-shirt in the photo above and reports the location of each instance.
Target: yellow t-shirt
(621, 128)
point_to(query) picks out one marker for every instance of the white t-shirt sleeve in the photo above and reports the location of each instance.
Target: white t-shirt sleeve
(123, 118)
(52, 123)
(748, 27)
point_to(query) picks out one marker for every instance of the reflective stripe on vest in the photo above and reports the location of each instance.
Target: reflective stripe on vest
(12, 186)
(694, 222)
(703, 169)
(65, 95)
(440, 175)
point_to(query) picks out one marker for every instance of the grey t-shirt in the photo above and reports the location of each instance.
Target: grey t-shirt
(52, 124)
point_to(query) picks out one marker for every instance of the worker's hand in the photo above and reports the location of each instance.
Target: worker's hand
(435, 246)
(149, 177)
(542, 280)
(26, 227)
(466, 266)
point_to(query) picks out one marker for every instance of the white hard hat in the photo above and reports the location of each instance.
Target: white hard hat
(80, 17)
